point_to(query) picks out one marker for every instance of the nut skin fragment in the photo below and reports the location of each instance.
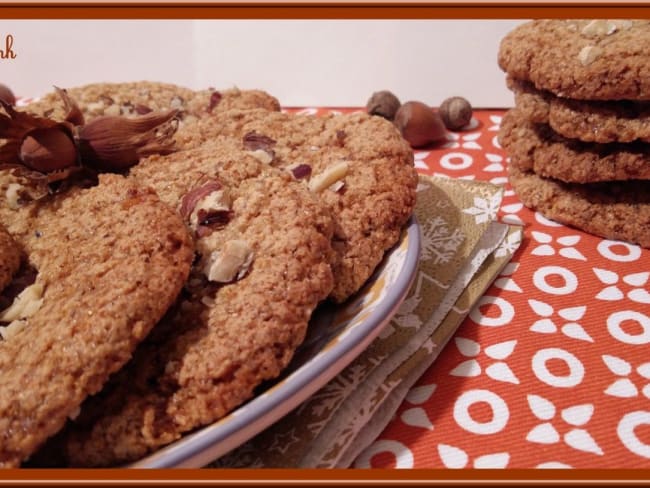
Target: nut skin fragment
(383, 103)
(117, 143)
(230, 263)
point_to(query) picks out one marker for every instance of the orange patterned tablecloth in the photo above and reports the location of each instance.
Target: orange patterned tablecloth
(552, 368)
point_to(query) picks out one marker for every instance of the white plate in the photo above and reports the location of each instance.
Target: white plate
(336, 335)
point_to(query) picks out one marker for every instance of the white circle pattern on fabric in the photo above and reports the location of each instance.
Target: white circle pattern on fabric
(615, 320)
(576, 368)
(403, 455)
(628, 437)
(570, 280)
(507, 312)
(500, 412)
(605, 250)
(450, 161)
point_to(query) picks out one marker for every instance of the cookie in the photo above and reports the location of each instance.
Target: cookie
(371, 198)
(207, 102)
(224, 337)
(140, 97)
(538, 148)
(589, 121)
(613, 210)
(129, 98)
(110, 260)
(581, 59)
(9, 258)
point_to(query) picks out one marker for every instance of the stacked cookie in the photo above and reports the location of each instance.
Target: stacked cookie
(254, 219)
(579, 135)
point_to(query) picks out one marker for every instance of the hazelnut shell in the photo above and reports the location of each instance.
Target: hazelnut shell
(419, 124)
(456, 112)
(48, 149)
(383, 103)
(7, 95)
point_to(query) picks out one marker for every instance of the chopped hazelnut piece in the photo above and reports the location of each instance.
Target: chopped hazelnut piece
(25, 304)
(206, 206)
(13, 195)
(229, 263)
(262, 155)
(325, 179)
(589, 54)
(599, 27)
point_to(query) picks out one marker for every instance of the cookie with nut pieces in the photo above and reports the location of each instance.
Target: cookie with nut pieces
(582, 59)
(141, 97)
(358, 165)
(109, 260)
(263, 244)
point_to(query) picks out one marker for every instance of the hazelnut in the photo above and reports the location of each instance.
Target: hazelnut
(384, 104)
(419, 124)
(456, 112)
(48, 149)
(7, 95)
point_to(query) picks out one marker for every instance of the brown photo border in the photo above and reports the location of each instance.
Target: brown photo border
(320, 10)
(316, 477)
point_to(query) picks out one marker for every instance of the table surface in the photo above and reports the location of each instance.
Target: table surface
(552, 367)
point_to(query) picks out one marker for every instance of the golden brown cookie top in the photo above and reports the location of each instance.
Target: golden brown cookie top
(9, 257)
(110, 260)
(357, 164)
(584, 59)
(225, 336)
(141, 97)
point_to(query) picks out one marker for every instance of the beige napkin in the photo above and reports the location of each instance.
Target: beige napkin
(463, 250)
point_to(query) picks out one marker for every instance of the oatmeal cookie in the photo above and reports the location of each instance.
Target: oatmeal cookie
(263, 252)
(110, 260)
(538, 148)
(357, 164)
(613, 210)
(141, 97)
(9, 258)
(589, 121)
(581, 59)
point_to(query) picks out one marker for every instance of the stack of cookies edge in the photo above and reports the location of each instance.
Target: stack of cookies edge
(578, 137)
